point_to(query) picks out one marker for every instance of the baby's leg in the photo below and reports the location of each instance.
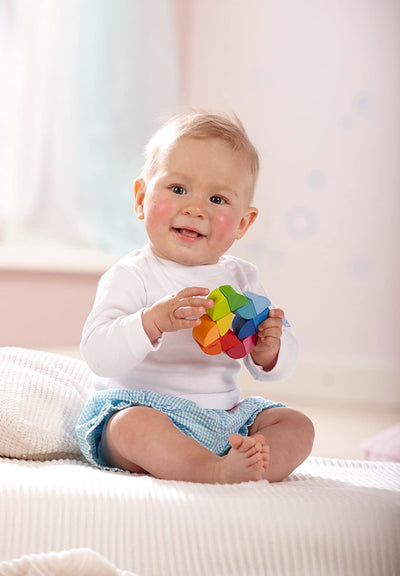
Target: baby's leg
(289, 435)
(142, 439)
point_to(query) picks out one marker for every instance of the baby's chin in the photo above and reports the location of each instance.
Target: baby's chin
(185, 257)
(191, 259)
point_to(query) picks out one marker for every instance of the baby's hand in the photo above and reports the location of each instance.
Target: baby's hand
(176, 312)
(268, 344)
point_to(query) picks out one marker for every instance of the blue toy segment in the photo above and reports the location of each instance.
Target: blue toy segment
(260, 303)
(247, 311)
(237, 324)
(261, 317)
(243, 328)
(286, 323)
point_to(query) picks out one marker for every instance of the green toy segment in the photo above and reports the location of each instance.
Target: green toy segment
(235, 299)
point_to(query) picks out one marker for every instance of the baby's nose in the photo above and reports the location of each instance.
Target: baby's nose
(195, 208)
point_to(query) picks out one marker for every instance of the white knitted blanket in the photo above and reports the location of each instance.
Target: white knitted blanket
(330, 518)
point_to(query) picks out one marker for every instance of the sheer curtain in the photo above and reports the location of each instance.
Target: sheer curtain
(85, 83)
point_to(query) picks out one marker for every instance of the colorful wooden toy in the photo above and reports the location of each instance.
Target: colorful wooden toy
(231, 325)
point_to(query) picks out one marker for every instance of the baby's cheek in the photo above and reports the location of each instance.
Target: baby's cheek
(159, 210)
(224, 226)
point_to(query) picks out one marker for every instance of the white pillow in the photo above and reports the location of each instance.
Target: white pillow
(41, 397)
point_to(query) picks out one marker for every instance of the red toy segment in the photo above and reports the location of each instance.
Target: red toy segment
(229, 340)
(237, 352)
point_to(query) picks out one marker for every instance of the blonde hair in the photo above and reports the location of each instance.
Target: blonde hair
(200, 124)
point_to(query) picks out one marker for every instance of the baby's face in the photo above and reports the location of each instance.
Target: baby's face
(195, 204)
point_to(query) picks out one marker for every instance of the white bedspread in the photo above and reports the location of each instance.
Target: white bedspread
(329, 518)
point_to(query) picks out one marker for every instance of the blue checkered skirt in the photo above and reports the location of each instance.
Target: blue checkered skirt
(209, 427)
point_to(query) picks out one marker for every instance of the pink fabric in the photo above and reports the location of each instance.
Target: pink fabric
(384, 446)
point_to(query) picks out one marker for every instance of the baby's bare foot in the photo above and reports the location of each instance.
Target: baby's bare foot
(247, 459)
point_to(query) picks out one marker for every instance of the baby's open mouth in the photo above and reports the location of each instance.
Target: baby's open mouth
(189, 233)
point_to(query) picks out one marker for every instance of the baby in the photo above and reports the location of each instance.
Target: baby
(161, 405)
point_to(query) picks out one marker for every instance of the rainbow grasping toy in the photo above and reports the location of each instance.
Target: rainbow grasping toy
(230, 326)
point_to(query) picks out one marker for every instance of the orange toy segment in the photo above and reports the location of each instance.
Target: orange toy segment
(213, 349)
(207, 332)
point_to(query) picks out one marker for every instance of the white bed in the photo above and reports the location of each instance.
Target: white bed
(331, 517)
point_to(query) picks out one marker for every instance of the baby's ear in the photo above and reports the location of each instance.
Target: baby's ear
(246, 221)
(139, 189)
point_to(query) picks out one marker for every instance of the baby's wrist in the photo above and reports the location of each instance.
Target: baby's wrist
(266, 359)
(150, 327)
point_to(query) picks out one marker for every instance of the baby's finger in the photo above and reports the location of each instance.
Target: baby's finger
(189, 312)
(191, 291)
(276, 313)
(273, 333)
(193, 301)
(187, 323)
(270, 328)
(270, 324)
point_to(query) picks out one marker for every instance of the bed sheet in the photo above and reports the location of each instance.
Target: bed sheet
(330, 517)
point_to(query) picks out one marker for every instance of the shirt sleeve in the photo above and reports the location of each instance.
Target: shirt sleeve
(287, 360)
(114, 340)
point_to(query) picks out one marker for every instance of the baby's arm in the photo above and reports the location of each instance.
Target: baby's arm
(176, 312)
(120, 331)
(268, 345)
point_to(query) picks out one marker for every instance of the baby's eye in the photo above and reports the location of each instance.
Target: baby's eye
(178, 190)
(217, 200)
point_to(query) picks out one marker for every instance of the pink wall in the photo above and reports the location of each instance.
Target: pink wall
(318, 86)
(44, 309)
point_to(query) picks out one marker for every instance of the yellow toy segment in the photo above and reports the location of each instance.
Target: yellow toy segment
(224, 324)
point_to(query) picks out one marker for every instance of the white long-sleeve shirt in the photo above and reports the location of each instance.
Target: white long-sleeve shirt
(120, 354)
